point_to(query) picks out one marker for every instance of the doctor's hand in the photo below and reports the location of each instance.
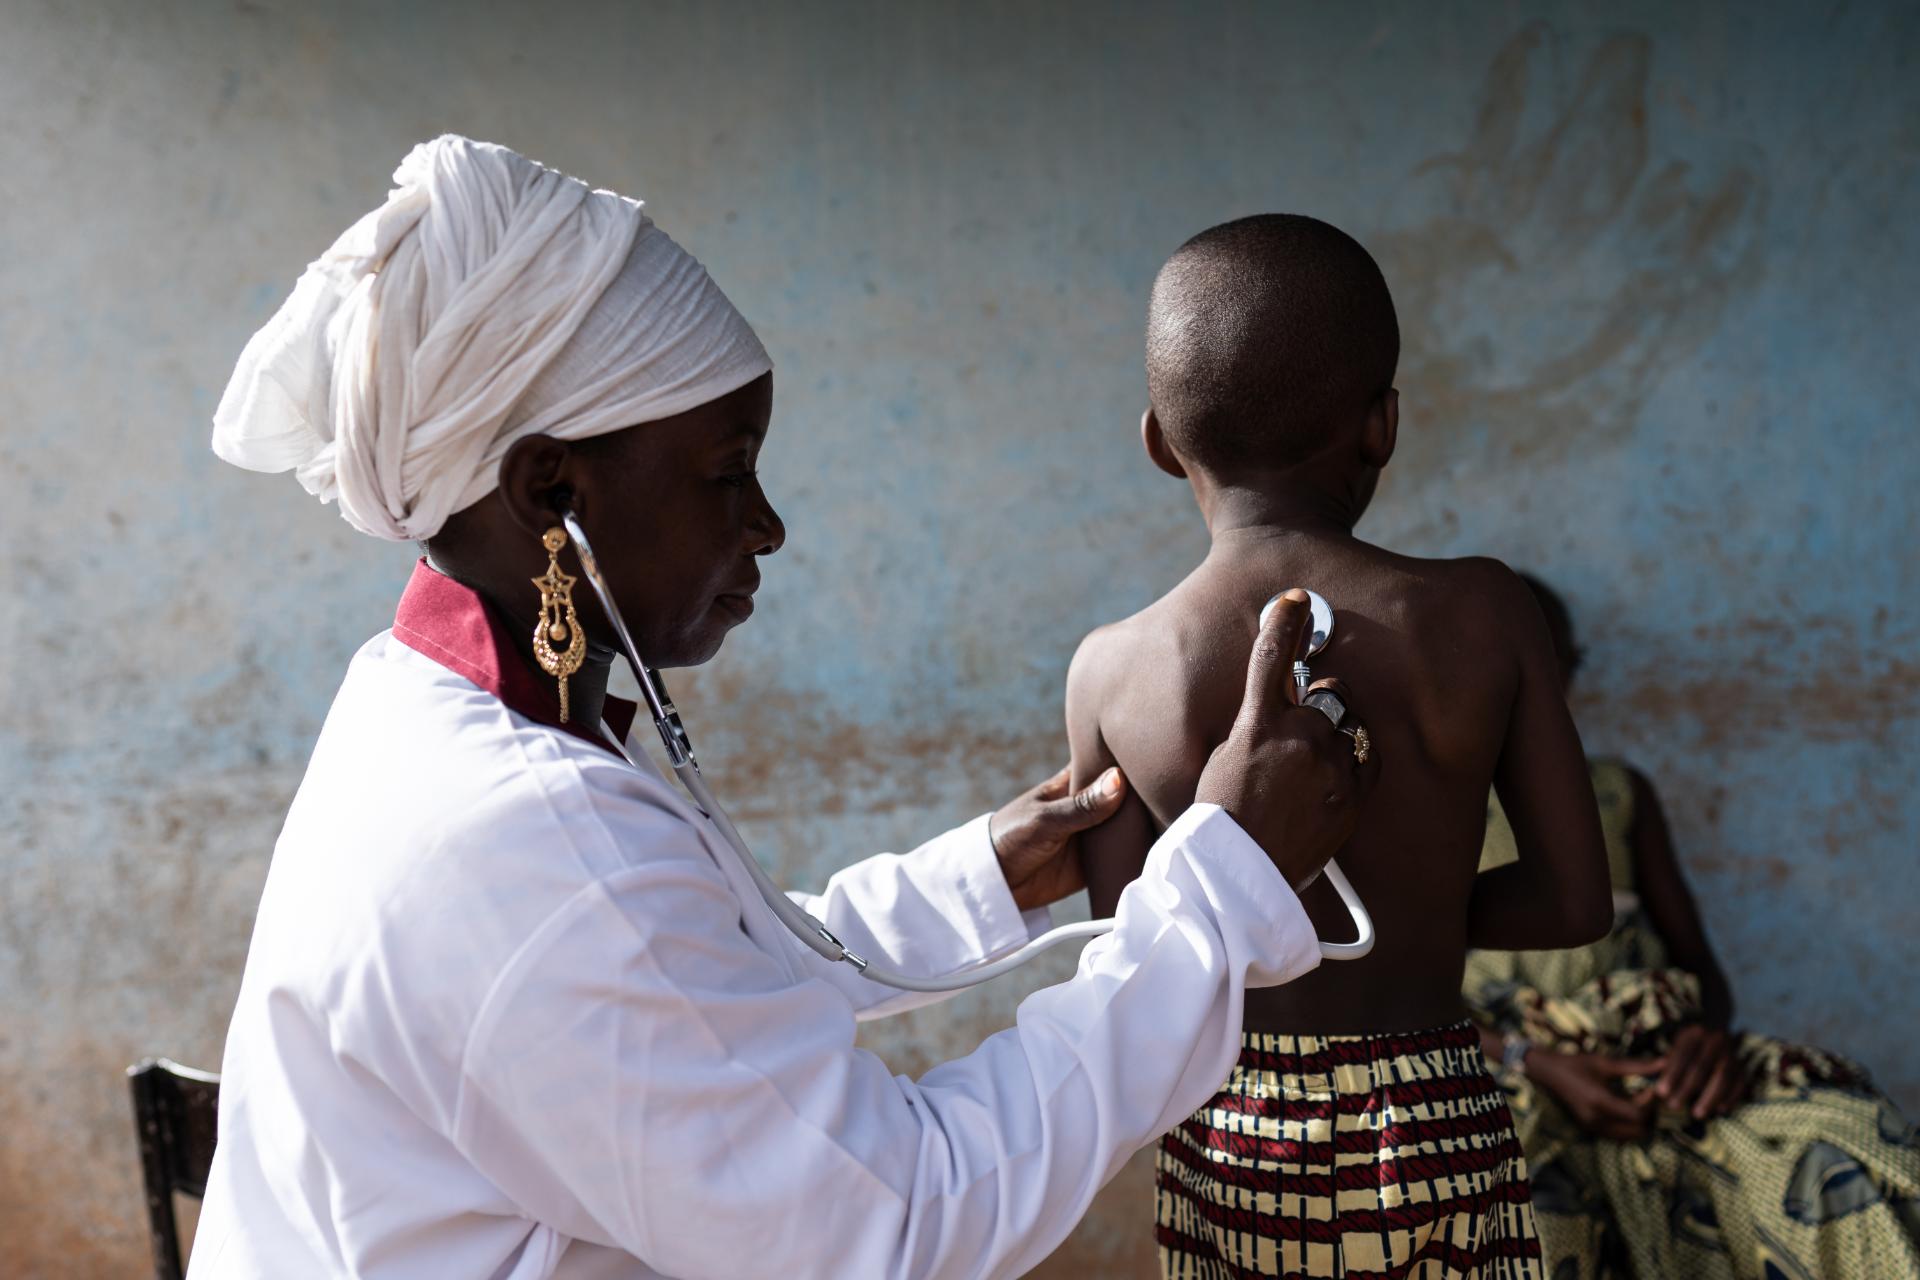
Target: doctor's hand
(1289, 778)
(1035, 837)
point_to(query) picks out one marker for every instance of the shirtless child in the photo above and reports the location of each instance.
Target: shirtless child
(1360, 1133)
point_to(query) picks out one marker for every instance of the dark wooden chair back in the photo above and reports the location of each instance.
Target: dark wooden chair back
(174, 1111)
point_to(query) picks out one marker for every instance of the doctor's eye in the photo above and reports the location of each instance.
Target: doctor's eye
(738, 479)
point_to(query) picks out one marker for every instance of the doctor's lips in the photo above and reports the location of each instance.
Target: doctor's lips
(739, 602)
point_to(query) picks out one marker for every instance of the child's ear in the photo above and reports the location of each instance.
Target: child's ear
(1382, 430)
(1158, 449)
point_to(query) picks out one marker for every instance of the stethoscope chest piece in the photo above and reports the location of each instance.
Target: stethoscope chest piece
(1322, 619)
(1320, 631)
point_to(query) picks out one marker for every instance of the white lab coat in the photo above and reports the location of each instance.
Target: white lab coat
(513, 1010)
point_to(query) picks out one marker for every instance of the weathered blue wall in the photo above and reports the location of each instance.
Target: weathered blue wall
(1656, 273)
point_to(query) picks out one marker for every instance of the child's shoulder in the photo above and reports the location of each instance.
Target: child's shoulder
(1107, 650)
(1481, 573)
(1110, 655)
(1472, 591)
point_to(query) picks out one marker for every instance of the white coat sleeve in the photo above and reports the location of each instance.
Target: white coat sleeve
(941, 908)
(643, 1077)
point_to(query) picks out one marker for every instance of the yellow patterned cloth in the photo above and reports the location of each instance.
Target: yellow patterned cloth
(1362, 1157)
(1817, 1177)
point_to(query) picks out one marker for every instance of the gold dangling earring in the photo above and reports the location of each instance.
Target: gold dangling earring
(558, 624)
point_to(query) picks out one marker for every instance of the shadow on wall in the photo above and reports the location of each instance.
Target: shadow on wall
(1558, 185)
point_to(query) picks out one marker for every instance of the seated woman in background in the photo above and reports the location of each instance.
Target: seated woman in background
(1662, 1143)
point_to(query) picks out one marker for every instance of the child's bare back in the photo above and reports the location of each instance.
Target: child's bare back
(1449, 668)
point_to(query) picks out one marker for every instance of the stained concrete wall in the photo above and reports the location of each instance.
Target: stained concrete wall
(1655, 271)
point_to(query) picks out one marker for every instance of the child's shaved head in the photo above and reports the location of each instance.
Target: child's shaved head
(1264, 336)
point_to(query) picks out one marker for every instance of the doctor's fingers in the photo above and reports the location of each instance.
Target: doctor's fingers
(1056, 786)
(1346, 765)
(1054, 801)
(1039, 824)
(1090, 805)
(1293, 783)
(1280, 640)
(1271, 694)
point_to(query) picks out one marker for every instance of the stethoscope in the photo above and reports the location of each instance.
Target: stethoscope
(673, 736)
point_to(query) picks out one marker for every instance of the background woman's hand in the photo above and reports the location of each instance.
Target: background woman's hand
(1036, 835)
(1702, 1075)
(1587, 1085)
(1289, 778)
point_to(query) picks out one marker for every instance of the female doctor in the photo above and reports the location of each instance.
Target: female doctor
(513, 1008)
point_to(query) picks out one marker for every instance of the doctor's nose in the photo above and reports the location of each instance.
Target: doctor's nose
(766, 532)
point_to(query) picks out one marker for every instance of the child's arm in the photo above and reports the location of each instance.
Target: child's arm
(1113, 853)
(1557, 894)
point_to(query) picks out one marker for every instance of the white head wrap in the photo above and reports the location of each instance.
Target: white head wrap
(489, 298)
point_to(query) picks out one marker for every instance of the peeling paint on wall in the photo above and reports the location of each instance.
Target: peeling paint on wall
(1656, 278)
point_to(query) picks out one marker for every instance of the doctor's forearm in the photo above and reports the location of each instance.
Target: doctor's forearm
(1076, 1095)
(1018, 1137)
(742, 1133)
(941, 908)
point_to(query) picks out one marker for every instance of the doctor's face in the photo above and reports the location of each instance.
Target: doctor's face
(676, 513)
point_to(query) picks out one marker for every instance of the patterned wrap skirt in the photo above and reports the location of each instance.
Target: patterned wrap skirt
(1349, 1156)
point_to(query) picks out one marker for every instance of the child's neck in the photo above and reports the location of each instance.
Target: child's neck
(1236, 511)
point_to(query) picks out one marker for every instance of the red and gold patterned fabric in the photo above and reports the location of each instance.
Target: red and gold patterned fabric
(1349, 1156)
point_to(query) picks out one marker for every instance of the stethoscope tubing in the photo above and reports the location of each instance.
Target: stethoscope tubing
(801, 923)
